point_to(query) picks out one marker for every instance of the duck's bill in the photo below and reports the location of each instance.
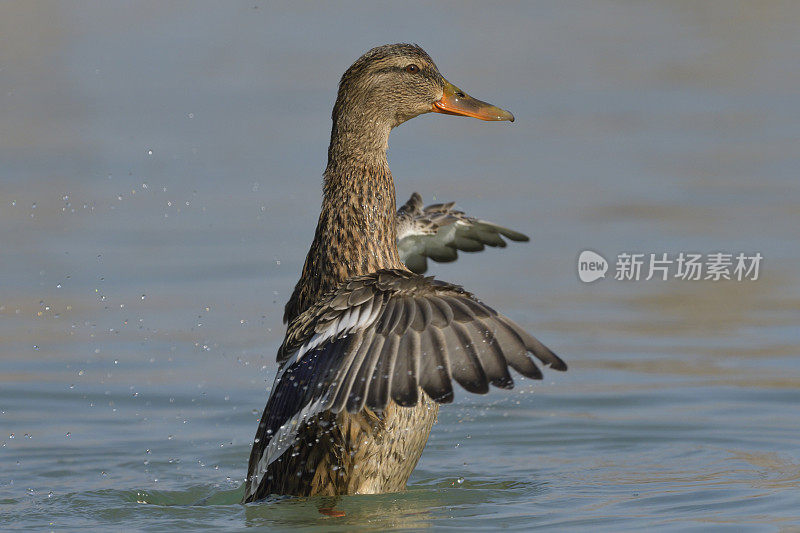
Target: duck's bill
(457, 102)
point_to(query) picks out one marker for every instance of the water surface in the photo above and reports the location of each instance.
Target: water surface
(160, 186)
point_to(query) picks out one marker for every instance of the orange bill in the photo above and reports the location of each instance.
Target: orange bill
(457, 102)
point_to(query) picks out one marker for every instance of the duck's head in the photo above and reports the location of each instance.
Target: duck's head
(396, 82)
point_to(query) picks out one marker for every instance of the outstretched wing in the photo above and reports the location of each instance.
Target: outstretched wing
(438, 231)
(382, 337)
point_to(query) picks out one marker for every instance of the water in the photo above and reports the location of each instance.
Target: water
(160, 186)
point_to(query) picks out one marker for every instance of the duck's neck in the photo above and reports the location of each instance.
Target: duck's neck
(357, 229)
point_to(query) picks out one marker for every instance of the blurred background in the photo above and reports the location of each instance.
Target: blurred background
(160, 185)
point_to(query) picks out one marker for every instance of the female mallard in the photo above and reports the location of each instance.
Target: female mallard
(372, 348)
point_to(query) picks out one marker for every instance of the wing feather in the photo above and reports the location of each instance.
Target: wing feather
(490, 355)
(439, 231)
(465, 363)
(347, 372)
(435, 367)
(533, 345)
(442, 314)
(423, 315)
(515, 351)
(404, 382)
(379, 387)
(358, 394)
(461, 312)
(381, 338)
(406, 319)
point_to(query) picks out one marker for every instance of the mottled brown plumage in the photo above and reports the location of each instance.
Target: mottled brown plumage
(372, 348)
(358, 194)
(344, 453)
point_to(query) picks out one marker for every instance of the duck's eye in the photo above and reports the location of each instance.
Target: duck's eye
(412, 68)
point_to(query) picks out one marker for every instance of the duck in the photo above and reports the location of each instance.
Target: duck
(373, 348)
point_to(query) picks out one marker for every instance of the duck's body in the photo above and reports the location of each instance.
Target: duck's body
(351, 453)
(345, 453)
(371, 348)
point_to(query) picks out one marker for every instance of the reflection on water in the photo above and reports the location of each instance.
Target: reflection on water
(160, 186)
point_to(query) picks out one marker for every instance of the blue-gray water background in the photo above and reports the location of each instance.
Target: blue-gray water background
(160, 172)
